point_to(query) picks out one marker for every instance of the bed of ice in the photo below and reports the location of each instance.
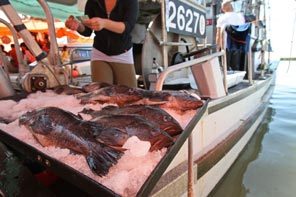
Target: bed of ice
(132, 169)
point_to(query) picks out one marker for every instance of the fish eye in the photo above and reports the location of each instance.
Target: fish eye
(167, 118)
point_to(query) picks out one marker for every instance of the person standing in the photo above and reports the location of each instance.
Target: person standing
(4, 57)
(28, 56)
(65, 55)
(112, 22)
(3, 49)
(229, 17)
(14, 64)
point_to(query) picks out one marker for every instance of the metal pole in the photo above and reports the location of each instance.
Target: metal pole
(224, 66)
(23, 32)
(54, 57)
(291, 47)
(214, 18)
(250, 67)
(263, 44)
(164, 34)
(190, 167)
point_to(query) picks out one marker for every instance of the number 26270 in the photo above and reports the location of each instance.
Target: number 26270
(185, 19)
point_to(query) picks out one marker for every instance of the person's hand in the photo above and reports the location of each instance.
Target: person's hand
(95, 23)
(72, 23)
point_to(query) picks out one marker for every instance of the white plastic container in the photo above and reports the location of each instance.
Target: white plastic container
(209, 79)
(235, 78)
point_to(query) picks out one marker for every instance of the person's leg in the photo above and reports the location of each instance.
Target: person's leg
(124, 74)
(101, 71)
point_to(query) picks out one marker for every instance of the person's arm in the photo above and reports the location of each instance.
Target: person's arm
(83, 29)
(128, 23)
(75, 25)
(218, 38)
(218, 32)
(132, 11)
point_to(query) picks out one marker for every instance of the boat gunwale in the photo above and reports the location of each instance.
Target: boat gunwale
(231, 98)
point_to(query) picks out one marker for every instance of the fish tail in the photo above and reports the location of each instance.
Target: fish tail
(101, 158)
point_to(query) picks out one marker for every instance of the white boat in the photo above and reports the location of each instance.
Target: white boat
(234, 106)
(224, 129)
(217, 140)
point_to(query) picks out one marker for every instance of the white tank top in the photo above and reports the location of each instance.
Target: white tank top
(125, 58)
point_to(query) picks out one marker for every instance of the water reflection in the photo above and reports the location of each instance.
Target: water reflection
(232, 183)
(267, 167)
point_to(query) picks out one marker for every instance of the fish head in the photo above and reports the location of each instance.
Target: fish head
(28, 118)
(37, 121)
(163, 119)
(183, 101)
(170, 125)
(112, 136)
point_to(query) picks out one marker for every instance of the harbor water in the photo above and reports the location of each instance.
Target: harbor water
(267, 166)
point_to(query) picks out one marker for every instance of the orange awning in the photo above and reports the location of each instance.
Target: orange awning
(33, 25)
(61, 32)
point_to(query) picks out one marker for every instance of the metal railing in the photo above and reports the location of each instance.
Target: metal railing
(195, 62)
(76, 57)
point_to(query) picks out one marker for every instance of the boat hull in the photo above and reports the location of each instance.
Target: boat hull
(218, 139)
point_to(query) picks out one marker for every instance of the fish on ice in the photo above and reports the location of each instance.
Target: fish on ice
(123, 95)
(151, 113)
(52, 126)
(133, 125)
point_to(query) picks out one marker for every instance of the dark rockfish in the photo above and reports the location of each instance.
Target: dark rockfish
(117, 94)
(135, 125)
(177, 100)
(151, 113)
(94, 86)
(68, 90)
(122, 95)
(55, 127)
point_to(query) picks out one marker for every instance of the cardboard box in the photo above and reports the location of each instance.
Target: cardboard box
(209, 80)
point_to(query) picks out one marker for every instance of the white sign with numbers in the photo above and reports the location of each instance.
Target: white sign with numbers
(185, 18)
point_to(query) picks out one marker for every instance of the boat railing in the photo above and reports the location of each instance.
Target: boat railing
(190, 64)
(77, 55)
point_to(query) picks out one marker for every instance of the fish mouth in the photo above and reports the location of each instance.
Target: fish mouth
(167, 135)
(172, 130)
